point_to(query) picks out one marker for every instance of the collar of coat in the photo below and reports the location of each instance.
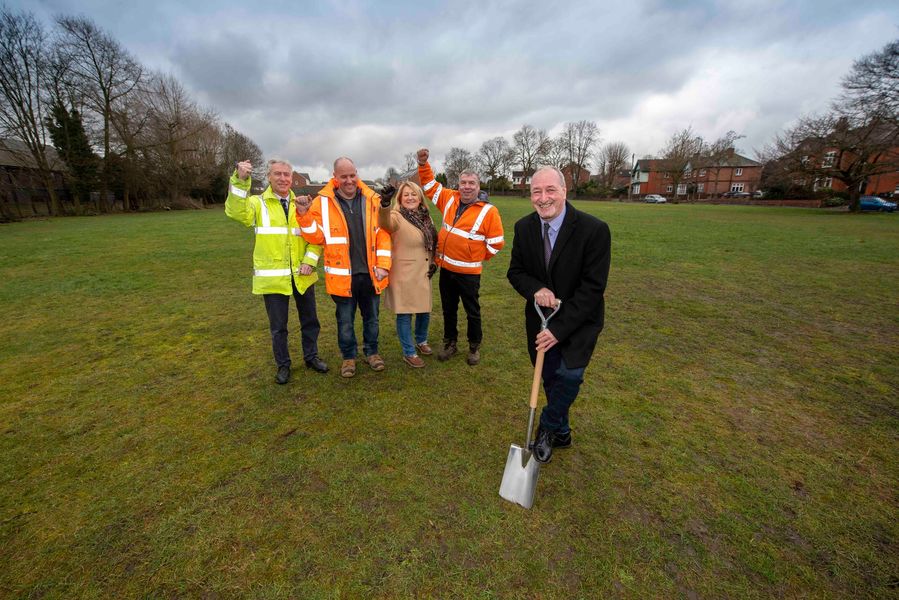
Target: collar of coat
(330, 190)
(269, 193)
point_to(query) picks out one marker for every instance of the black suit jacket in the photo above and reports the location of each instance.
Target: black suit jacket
(577, 274)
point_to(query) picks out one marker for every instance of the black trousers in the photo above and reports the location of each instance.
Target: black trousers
(465, 287)
(276, 305)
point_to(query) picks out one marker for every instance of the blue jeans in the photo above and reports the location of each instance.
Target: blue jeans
(404, 330)
(363, 296)
(561, 385)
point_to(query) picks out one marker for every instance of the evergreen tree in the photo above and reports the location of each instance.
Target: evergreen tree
(70, 140)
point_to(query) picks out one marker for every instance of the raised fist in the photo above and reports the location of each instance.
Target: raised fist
(423, 156)
(244, 168)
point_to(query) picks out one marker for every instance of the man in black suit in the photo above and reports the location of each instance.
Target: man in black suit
(560, 253)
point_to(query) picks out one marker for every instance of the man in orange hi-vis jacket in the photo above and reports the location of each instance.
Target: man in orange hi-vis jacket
(472, 233)
(344, 219)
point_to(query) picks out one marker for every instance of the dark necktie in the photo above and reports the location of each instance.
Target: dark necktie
(284, 205)
(547, 247)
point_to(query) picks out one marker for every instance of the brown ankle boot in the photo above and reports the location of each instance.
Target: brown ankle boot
(449, 349)
(474, 354)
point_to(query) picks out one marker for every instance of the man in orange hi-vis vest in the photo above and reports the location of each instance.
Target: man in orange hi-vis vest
(472, 233)
(344, 219)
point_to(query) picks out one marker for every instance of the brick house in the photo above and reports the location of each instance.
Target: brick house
(881, 184)
(701, 177)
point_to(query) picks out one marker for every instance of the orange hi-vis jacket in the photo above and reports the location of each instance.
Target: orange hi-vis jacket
(325, 223)
(463, 244)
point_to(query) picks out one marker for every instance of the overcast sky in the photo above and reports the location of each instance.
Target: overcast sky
(374, 80)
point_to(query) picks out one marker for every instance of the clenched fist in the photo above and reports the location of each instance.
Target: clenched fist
(302, 204)
(423, 155)
(244, 168)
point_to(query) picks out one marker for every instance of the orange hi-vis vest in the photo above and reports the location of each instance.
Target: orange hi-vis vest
(326, 223)
(463, 244)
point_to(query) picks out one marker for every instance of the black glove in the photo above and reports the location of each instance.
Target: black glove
(387, 195)
(431, 270)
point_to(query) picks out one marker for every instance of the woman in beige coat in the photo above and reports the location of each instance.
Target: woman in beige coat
(414, 241)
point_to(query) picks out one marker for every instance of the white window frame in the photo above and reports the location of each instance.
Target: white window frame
(736, 187)
(635, 188)
(682, 189)
(700, 187)
(829, 159)
(702, 172)
(669, 189)
(738, 171)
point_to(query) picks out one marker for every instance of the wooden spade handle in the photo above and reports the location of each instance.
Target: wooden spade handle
(535, 386)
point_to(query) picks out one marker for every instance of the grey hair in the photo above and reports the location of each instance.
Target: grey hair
(469, 172)
(346, 158)
(555, 170)
(277, 161)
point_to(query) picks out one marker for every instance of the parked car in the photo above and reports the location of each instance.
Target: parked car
(758, 194)
(654, 199)
(736, 195)
(876, 203)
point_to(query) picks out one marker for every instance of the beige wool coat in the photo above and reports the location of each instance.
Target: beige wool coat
(409, 290)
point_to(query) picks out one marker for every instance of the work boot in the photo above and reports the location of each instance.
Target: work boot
(474, 354)
(449, 349)
(283, 375)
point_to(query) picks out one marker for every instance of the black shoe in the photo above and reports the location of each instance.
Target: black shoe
(283, 375)
(543, 446)
(562, 440)
(317, 365)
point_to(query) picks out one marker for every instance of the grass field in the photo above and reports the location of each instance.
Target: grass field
(737, 435)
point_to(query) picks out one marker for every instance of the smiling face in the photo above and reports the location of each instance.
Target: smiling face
(548, 193)
(280, 176)
(469, 186)
(409, 197)
(347, 178)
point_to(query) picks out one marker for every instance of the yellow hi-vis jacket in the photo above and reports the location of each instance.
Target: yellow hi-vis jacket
(324, 223)
(280, 250)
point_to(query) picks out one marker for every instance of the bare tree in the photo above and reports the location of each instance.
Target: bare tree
(682, 148)
(556, 153)
(494, 158)
(613, 157)
(872, 86)
(23, 72)
(106, 71)
(529, 146)
(409, 161)
(458, 160)
(579, 139)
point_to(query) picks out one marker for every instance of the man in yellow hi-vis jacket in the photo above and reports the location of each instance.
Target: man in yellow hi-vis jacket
(283, 263)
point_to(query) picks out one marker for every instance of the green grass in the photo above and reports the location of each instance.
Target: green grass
(736, 436)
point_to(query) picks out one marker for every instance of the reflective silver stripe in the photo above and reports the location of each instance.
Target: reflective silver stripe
(382, 253)
(436, 195)
(480, 219)
(264, 209)
(272, 230)
(311, 255)
(458, 263)
(462, 233)
(429, 185)
(295, 231)
(310, 229)
(446, 209)
(492, 249)
(335, 271)
(326, 225)
(271, 272)
(239, 192)
(495, 240)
